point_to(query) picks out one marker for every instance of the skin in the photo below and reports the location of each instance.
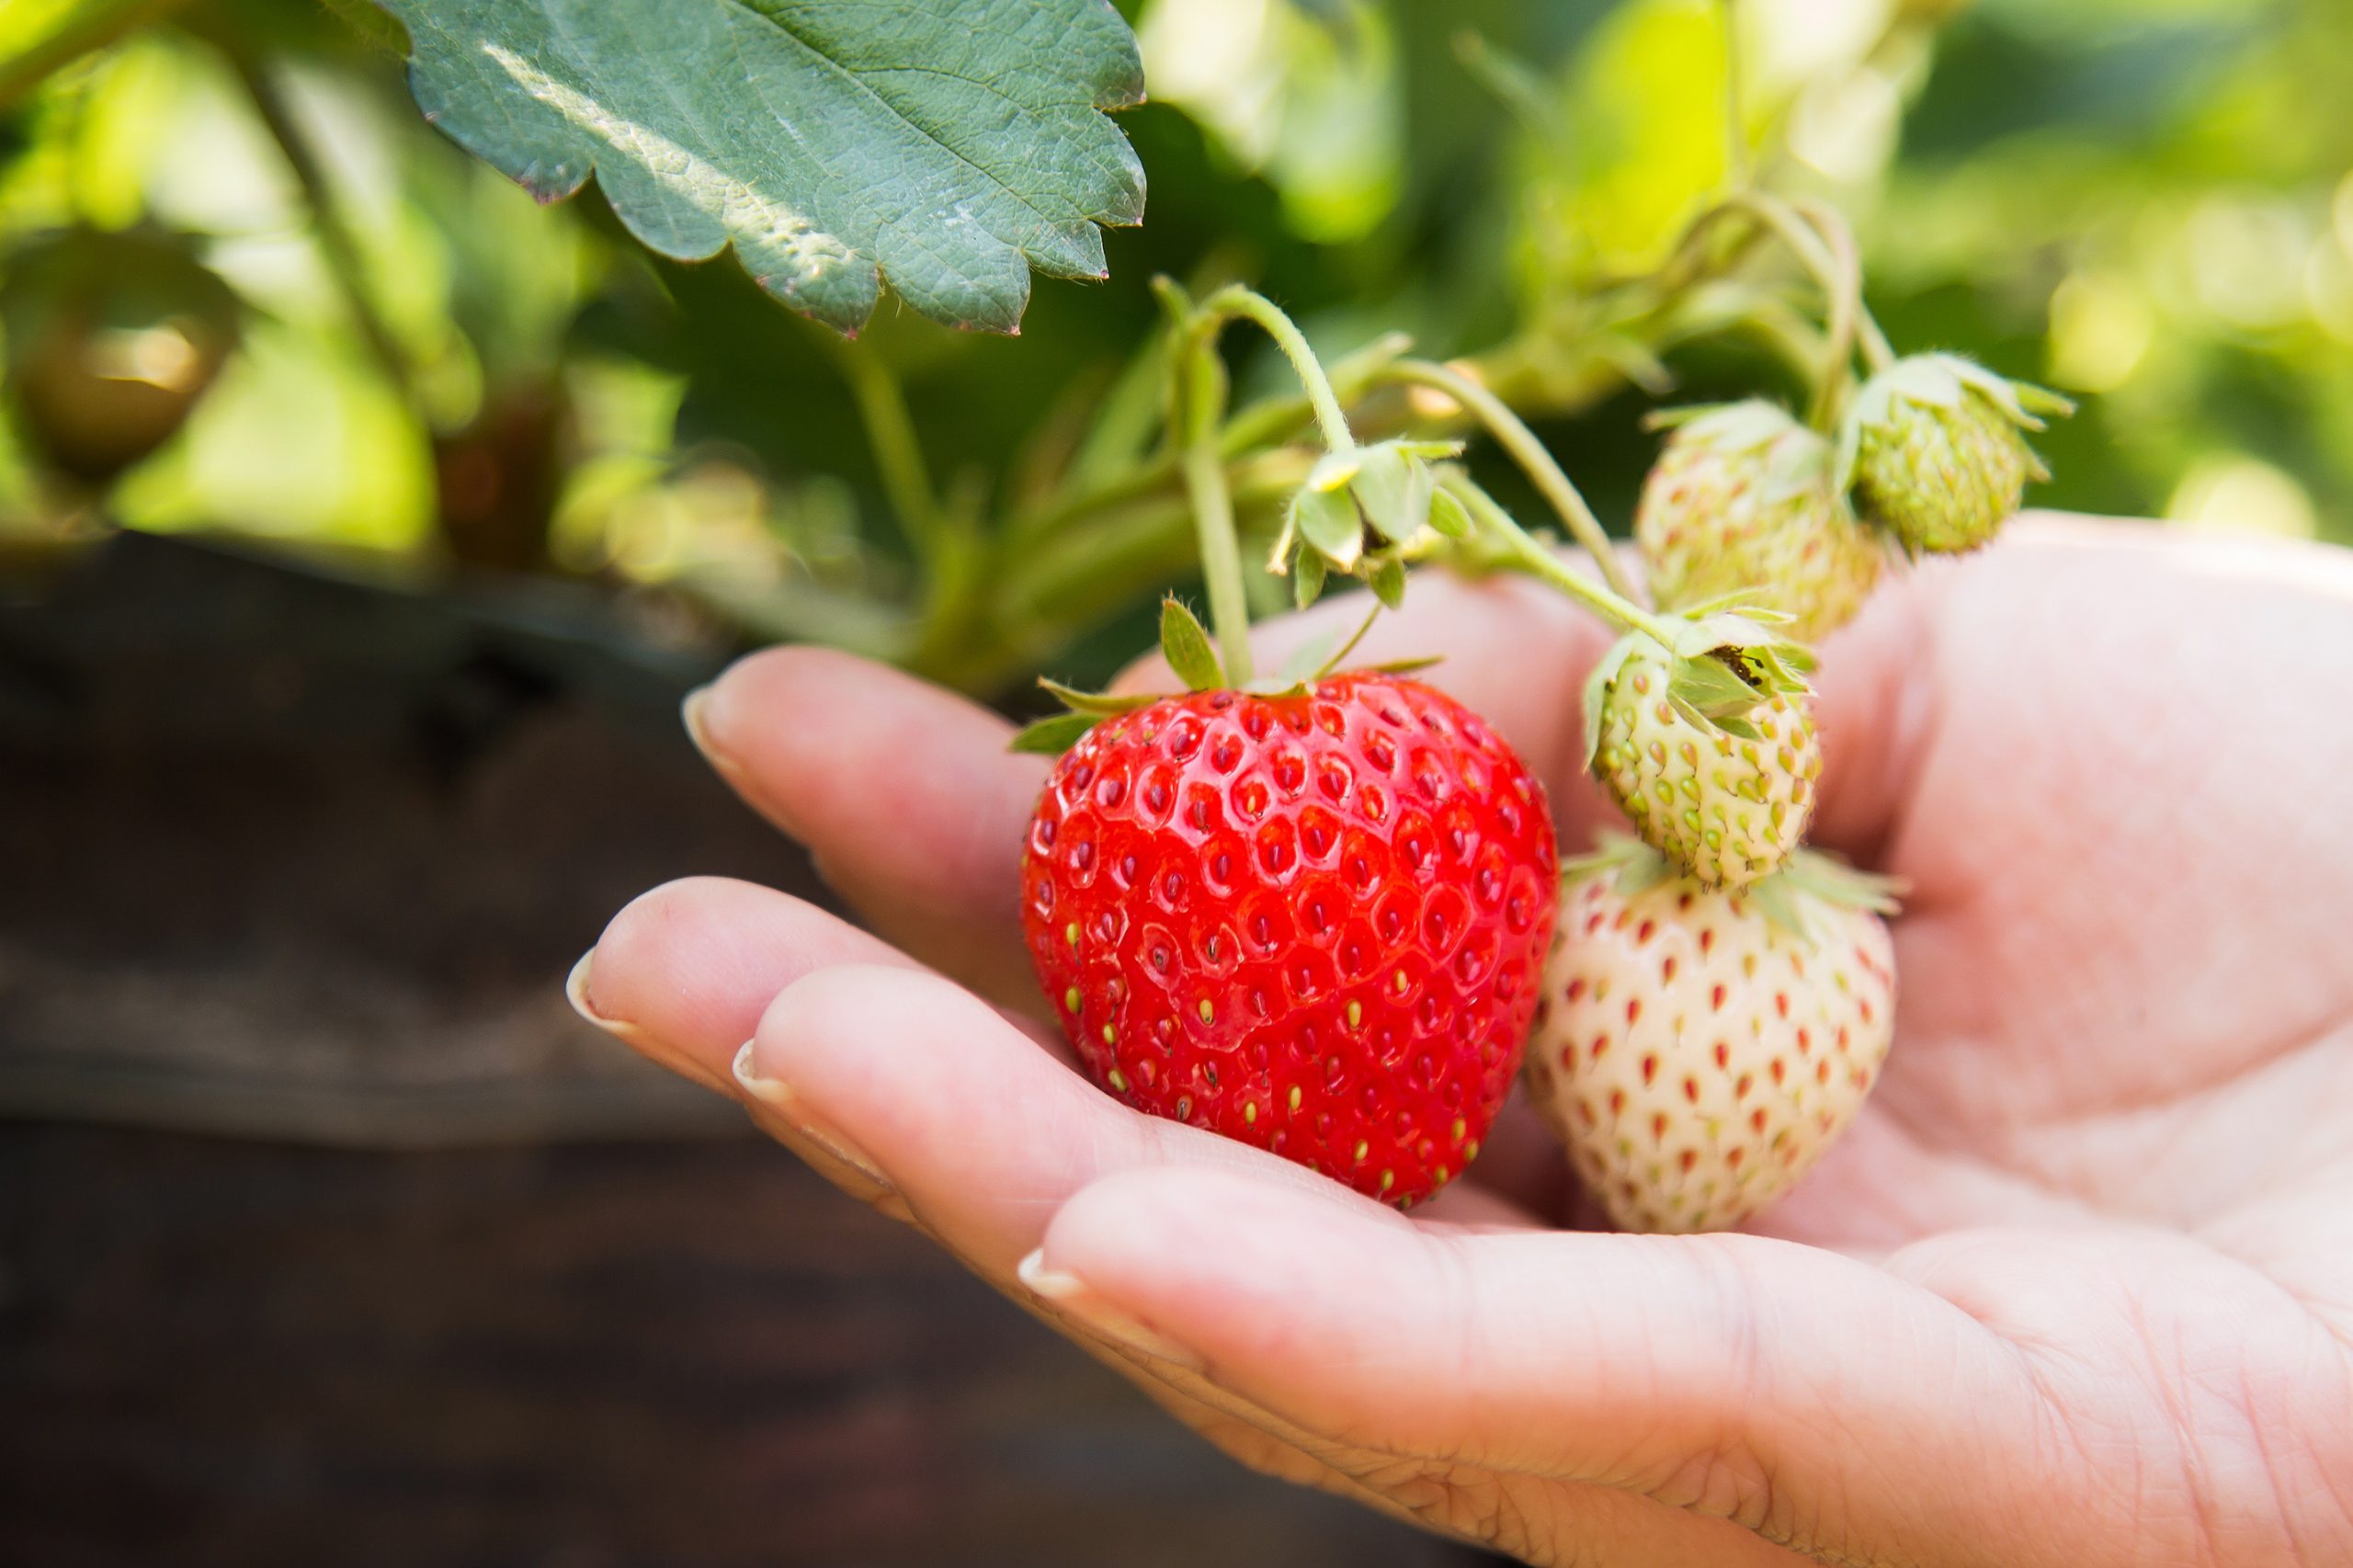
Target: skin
(2076, 1289)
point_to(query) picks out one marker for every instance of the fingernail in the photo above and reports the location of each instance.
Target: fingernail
(774, 1099)
(696, 713)
(1073, 1297)
(575, 990)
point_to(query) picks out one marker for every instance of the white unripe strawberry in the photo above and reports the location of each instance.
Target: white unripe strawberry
(1696, 1049)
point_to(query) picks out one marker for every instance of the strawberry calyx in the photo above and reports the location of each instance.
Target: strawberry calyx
(1184, 642)
(1798, 460)
(1795, 899)
(1364, 512)
(1942, 380)
(1720, 667)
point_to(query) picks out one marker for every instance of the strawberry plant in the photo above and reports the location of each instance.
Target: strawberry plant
(1310, 909)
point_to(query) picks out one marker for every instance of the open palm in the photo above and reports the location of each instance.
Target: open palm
(2076, 1289)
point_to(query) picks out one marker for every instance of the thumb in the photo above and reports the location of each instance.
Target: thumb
(1811, 1399)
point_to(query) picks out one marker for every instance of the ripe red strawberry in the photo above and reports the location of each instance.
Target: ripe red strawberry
(1313, 921)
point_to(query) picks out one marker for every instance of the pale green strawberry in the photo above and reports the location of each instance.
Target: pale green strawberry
(1712, 757)
(1742, 501)
(1935, 451)
(1696, 1049)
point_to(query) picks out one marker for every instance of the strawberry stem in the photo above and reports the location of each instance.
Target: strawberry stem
(1196, 424)
(1204, 470)
(1250, 305)
(1836, 232)
(1523, 551)
(1514, 435)
(1841, 281)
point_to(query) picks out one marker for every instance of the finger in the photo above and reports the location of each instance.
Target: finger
(683, 973)
(966, 1129)
(983, 1133)
(905, 794)
(1804, 1396)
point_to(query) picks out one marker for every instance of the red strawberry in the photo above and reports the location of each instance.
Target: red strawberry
(1314, 922)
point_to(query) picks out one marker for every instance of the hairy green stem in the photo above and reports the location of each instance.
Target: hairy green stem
(898, 452)
(1836, 233)
(1841, 288)
(1514, 435)
(1196, 413)
(1250, 305)
(1527, 554)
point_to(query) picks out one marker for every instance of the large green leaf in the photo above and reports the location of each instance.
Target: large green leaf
(950, 145)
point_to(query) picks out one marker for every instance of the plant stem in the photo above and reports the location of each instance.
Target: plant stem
(1840, 237)
(1251, 305)
(1197, 411)
(1516, 438)
(898, 454)
(337, 247)
(1737, 169)
(1528, 554)
(1841, 287)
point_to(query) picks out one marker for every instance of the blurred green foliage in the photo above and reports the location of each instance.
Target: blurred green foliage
(2147, 203)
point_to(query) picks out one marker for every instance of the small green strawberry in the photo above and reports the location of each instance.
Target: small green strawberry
(1708, 747)
(1933, 450)
(1741, 502)
(1696, 1049)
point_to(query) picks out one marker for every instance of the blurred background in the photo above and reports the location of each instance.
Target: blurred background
(362, 523)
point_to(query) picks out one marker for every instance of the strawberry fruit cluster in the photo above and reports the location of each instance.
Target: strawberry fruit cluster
(1322, 911)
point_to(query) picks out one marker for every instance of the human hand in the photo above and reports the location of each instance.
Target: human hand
(2076, 1287)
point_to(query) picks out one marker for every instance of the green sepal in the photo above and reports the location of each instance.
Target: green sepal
(1596, 687)
(1448, 515)
(1393, 492)
(1185, 644)
(1327, 523)
(1307, 578)
(1712, 689)
(1388, 582)
(1634, 865)
(1333, 470)
(1793, 897)
(1102, 704)
(1393, 485)
(1406, 667)
(1794, 460)
(1054, 734)
(1768, 660)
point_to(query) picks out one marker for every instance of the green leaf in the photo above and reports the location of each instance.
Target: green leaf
(1307, 578)
(1187, 644)
(950, 146)
(1053, 735)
